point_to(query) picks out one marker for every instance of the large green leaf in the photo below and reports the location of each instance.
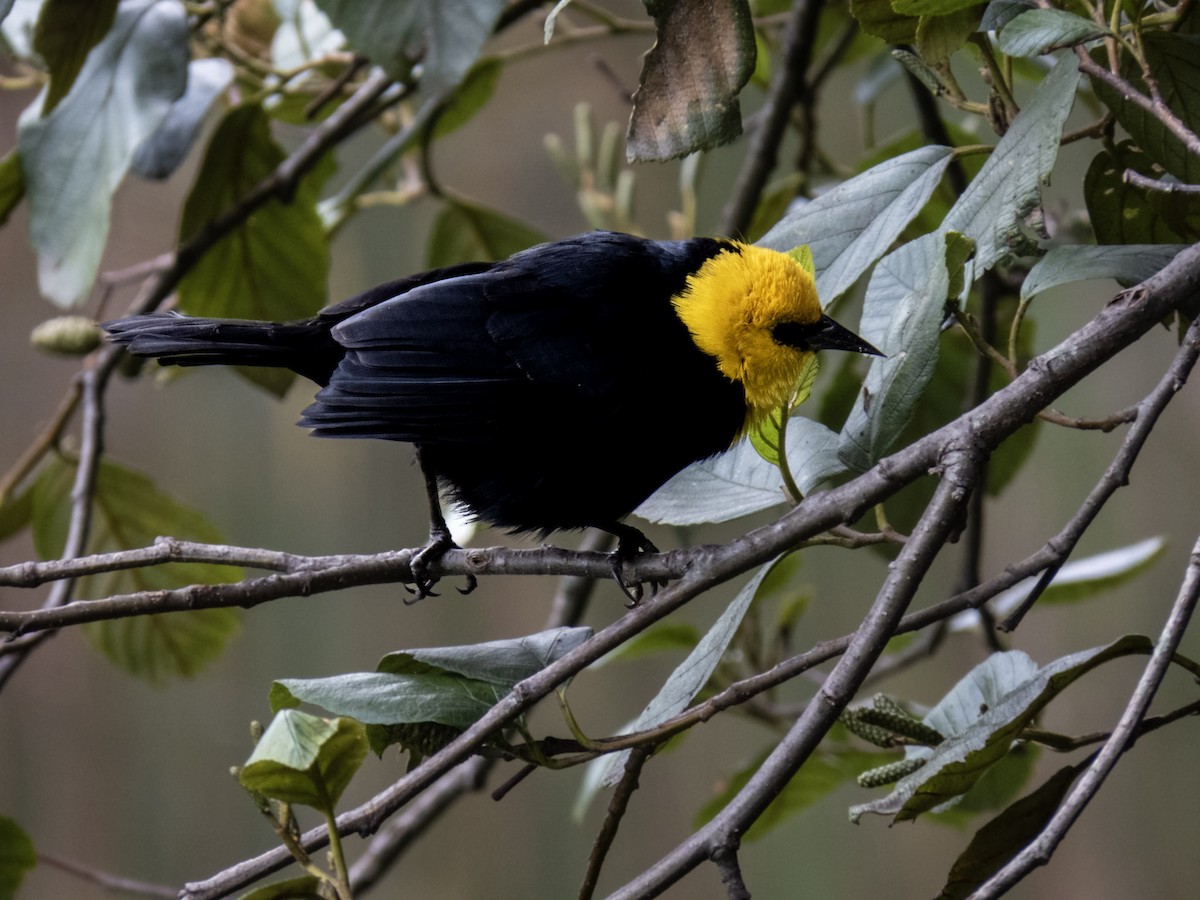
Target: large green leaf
(740, 482)
(902, 314)
(12, 185)
(683, 684)
(1035, 32)
(1127, 263)
(444, 35)
(75, 157)
(162, 152)
(129, 512)
(1174, 59)
(464, 231)
(877, 17)
(994, 206)
(687, 98)
(305, 759)
(851, 226)
(17, 857)
(1080, 579)
(931, 7)
(66, 32)
(1007, 834)
(1125, 213)
(448, 685)
(275, 263)
(823, 772)
(957, 763)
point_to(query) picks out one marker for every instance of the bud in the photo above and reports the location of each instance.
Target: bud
(66, 336)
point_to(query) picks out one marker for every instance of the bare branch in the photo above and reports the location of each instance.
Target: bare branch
(1039, 851)
(786, 87)
(961, 464)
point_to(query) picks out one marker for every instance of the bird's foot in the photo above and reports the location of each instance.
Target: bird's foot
(423, 582)
(631, 544)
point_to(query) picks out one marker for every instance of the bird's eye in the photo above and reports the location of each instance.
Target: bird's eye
(796, 334)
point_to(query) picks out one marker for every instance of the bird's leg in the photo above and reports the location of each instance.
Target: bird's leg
(631, 544)
(439, 538)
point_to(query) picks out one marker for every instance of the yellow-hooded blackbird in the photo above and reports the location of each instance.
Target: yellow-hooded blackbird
(556, 389)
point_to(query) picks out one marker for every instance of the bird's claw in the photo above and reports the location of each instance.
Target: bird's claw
(630, 545)
(423, 582)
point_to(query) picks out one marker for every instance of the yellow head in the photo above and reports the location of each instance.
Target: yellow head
(756, 312)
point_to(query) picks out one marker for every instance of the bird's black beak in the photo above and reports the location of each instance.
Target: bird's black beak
(823, 334)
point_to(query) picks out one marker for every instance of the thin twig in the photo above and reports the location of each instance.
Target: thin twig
(1039, 851)
(1154, 184)
(617, 806)
(960, 465)
(1117, 473)
(786, 85)
(107, 880)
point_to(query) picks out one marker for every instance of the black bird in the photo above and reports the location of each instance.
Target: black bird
(554, 390)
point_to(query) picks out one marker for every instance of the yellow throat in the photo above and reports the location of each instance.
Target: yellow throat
(731, 304)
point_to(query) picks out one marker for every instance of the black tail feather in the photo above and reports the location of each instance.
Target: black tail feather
(304, 347)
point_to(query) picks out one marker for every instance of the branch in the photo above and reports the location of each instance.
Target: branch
(786, 87)
(1154, 106)
(961, 465)
(1039, 851)
(1119, 324)
(1059, 547)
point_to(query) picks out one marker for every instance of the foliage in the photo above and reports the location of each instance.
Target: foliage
(942, 233)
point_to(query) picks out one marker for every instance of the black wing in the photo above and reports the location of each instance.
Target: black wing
(460, 359)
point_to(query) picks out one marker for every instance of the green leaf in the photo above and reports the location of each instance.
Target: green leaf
(275, 264)
(878, 18)
(931, 7)
(1007, 834)
(448, 685)
(75, 157)
(1081, 579)
(471, 96)
(66, 32)
(821, 774)
(305, 759)
(659, 638)
(304, 887)
(687, 97)
(1174, 59)
(1127, 263)
(12, 185)
(380, 698)
(804, 257)
(1000, 12)
(995, 789)
(740, 481)
(689, 677)
(504, 663)
(902, 314)
(1035, 32)
(163, 152)
(464, 232)
(129, 512)
(851, 226)
(444, 35)
(16, 512)
(940, 36)
(1123, 213)
(957, 763)
(17, 857)
(994, 206)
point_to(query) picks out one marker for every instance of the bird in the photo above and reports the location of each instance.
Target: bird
(554, 390)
